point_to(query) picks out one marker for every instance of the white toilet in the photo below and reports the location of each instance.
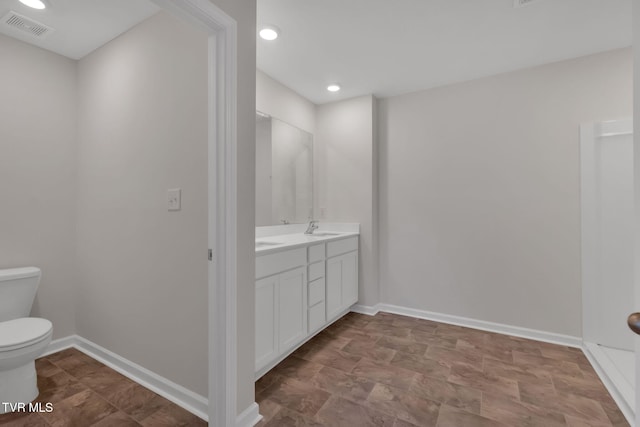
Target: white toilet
(22, 338)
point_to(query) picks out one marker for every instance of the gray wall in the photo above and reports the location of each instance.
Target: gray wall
(345, 180)
(177, 158)
(38, 174)
(279, 101)
(479, 191)
(142, 273)
(144, 119)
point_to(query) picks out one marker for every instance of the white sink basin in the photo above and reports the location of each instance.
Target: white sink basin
(323, 234)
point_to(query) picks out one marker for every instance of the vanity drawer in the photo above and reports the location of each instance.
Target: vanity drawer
(316, 291)
(316, 317)
(342, 246)
(316, 271)
(267, 265)
(316, 253)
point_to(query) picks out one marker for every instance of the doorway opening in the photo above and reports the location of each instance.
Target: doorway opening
(607, 193)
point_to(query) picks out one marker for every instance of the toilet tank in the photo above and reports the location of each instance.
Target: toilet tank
(18, 288)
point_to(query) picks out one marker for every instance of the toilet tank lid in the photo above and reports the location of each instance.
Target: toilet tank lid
(18, 273)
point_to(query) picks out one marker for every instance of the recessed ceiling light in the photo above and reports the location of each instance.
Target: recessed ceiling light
(333, 87)
(35, 4)
(269, 33)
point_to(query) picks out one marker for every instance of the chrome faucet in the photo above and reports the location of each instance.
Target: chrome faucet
(313, 225)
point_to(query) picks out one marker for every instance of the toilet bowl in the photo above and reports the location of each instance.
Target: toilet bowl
(22, 338)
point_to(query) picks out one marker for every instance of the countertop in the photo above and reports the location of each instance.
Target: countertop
(267, 245)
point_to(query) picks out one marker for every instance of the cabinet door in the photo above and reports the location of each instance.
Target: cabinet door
(292, 296)
(349, 279)
(342, 283)
(266, 311)
(334, 287)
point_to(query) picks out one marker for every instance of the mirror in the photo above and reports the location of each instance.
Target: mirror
(284, 172)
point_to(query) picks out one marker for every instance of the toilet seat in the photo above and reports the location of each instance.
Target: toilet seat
(19, 333)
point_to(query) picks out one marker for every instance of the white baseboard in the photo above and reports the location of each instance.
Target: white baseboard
(59, 345)
(249, 417)
(365, 309)
(620, 391)
(517, 331)
(192, 402)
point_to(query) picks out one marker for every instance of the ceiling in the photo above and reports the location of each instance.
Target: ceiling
(81, 26)
(390, 47)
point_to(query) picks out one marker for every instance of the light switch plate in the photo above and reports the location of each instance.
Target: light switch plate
(174, 202)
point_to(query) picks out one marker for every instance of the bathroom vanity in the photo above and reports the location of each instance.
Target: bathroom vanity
(303, 284)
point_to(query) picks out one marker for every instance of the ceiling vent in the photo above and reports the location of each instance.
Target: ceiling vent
(13, 20)
(521, 3)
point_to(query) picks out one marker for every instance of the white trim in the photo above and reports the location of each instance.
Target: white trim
(176, 393)
(516, 331)
(610, 376)
(222, 190)
(192, 402)
(59, 345)
(591, 136)
(613, 128)
(365, 309)
(249, 417)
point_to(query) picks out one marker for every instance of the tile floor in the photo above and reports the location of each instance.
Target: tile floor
(84, 393)
(390, 370)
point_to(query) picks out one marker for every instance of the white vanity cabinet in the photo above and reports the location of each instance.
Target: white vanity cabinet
(342, 276)
(281, 315)
(299, 292)
(281, 304)
(292, 313)
(316, 289)
(266, 309)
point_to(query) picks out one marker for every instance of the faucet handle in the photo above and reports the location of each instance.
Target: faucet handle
(313, 225)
